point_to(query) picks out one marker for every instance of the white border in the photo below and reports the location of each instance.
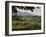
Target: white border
(26, 31)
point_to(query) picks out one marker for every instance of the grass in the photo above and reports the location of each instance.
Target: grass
(26, 23)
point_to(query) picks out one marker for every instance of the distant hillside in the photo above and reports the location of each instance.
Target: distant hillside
(25, 14)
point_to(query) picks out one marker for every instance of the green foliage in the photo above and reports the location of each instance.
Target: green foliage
(14, 9)
(26, 23)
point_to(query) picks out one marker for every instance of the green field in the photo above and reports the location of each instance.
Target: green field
(26, 23)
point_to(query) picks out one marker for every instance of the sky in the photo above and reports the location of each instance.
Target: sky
(36, 11)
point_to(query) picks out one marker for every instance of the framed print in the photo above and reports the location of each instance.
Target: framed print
(24, 18)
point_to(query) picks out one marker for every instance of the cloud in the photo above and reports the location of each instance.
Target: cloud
(37, 11)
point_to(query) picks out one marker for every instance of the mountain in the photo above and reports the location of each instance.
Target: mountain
(25, 14)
